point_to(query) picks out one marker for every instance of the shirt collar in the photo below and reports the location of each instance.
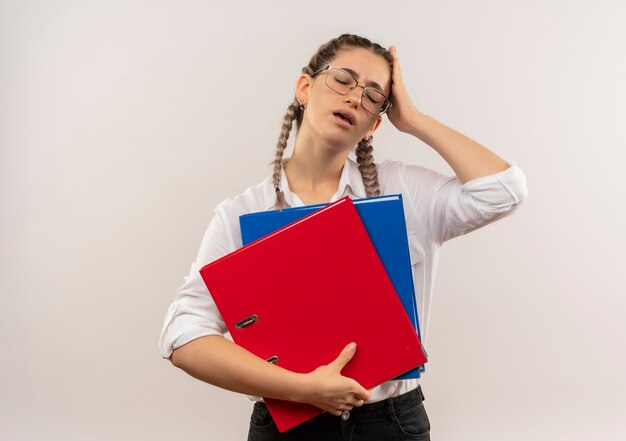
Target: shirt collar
(350, 179)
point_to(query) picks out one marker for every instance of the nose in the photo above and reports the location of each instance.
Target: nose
(354, 97)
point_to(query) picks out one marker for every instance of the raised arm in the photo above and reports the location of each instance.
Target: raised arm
(468, 159)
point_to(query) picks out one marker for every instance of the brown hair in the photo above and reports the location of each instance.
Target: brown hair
(295, 111)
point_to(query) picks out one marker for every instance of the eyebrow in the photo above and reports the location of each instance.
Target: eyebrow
(369, 83)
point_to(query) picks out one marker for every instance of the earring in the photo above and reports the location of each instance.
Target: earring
(302, 105)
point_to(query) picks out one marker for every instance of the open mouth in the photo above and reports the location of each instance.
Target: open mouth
(343, 117)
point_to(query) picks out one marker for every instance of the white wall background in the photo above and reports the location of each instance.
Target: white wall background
(120, 126)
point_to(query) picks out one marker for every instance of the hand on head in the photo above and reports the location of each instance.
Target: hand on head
(403, 112)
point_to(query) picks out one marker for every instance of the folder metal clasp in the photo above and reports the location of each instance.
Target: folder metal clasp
(247, 321)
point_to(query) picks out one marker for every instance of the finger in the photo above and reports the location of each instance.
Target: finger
(358, 403)
(397, 72)
(394, 54)
(396, 64)
(355, 402)
(344, 357)
(362, 393)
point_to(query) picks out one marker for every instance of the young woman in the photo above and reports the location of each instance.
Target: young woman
(340, 100)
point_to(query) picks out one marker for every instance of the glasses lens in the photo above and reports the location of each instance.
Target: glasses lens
(374, 102)
(340, 81)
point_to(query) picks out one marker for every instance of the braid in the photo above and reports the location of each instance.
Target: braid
(365, 159)
(293, 111)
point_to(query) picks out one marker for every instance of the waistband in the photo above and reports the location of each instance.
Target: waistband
(396, 402)
(387, 405)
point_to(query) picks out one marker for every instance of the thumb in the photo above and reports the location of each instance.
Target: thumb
(345, 356)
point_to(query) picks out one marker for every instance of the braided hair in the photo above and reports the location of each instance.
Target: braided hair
(295, 112)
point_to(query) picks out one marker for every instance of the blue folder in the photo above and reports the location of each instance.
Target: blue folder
(383, 218)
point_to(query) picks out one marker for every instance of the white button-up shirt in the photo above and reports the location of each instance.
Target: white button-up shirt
(436, 207)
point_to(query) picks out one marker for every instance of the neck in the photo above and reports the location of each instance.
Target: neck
(314, 167)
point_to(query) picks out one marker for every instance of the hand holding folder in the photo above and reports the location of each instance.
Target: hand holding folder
(297, 296)
(336, 387)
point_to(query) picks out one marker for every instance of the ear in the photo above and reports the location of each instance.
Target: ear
(374, 127)
(303, 84)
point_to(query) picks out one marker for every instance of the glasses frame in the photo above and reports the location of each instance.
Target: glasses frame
(381, 113)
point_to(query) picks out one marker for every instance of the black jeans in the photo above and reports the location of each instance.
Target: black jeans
(394, 419)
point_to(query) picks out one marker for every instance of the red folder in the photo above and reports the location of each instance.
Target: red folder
(297, 296)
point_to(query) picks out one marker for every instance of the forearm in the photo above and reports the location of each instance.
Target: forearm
(468, 159)
(218, 361)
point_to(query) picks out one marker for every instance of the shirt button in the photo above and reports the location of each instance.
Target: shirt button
(345, 415)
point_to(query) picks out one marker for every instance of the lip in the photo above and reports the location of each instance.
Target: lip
(348, 114)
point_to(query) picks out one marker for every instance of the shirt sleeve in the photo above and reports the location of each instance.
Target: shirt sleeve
(193, 313)
(450, 208)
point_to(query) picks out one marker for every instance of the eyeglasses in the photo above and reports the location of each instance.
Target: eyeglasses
(343, 82)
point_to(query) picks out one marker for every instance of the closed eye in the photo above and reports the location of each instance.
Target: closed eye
(341, 81)
(373, 97)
